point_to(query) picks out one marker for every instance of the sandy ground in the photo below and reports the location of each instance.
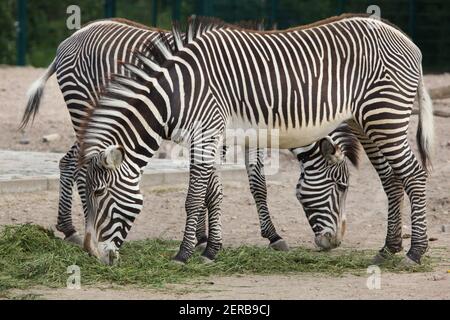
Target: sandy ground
(163, 214)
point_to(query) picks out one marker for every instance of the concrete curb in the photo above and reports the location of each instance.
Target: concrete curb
(149, 179)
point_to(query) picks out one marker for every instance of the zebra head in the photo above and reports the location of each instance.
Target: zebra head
(323, 184)
(113, 201)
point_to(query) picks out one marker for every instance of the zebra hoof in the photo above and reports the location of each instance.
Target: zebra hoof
(408, 262)
(382, 256)
(279, 245)
(206, 260)
(75, 239)
(201, 246)
(178, 262)
(379, 258)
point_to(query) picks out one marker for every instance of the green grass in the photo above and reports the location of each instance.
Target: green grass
(31, 256)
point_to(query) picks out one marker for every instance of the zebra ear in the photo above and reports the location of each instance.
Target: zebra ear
(113, 157)
(330, 151)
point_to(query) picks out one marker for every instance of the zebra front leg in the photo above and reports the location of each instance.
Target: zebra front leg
(213, 201)
(67, 168)
(203, 151)
(198, 182)
(254, 163)
(395, 194)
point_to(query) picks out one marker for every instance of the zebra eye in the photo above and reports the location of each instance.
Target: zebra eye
(342, 186)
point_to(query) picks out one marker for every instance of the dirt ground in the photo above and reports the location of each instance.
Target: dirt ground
(163, 214)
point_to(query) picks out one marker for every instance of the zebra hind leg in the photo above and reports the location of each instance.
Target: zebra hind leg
(393, 244)
(394, 191)
(413, 177)
(200, 234)
(254, 163)
(67, 167)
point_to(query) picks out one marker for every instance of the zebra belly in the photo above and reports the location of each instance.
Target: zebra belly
(244, 133)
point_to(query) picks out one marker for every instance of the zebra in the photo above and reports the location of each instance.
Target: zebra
(326, 167)
(82, 70)
(303, 82)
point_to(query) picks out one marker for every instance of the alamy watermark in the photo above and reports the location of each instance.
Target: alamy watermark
(238, 144)
(74, 279)
(374, 280)
(73, 21)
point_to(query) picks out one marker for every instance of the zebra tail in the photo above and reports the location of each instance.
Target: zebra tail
(34, 95)
(425, 129)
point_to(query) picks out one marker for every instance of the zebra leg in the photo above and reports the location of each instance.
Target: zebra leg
(254, 163)
(203, 151)
(395, 193)
(200, 234)
(80, 176)
(409, 171)
(213, 201)
(67, 167)
(198, 182)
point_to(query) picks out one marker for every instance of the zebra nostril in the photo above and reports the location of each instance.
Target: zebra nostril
(328, 235)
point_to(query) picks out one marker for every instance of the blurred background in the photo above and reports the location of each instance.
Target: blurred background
(31, 30)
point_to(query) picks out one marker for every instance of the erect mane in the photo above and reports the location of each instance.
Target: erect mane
(349, 143)
(149, 61)
(167, 44)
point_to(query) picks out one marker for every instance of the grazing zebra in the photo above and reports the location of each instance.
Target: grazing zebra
(323, 184)
(302, 82)
(82, 65)
(324, 190)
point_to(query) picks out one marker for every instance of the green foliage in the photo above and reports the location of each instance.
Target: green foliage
(47, 26)
(7, 32)
(31, 255)
(429, 27)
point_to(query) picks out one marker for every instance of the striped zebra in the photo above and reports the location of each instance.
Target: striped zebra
(301, 82)
(82, 65)
(322, 193)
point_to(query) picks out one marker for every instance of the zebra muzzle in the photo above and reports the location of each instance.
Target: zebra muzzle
(327, 241)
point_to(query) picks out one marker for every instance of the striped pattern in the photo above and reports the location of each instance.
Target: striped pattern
(302, 82)
(83, 64)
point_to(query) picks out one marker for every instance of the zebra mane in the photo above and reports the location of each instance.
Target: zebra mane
(167, 44)
(149, 63)
(348, 142)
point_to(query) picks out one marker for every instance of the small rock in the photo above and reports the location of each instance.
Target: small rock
(438, 277)
(24, 141)
(444, 228)
(233, 217)
(51, 137)
(406, 236)
(162, 155)
(448, 143)
(433, 239)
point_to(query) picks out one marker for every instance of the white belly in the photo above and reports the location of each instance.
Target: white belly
(241, 132)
